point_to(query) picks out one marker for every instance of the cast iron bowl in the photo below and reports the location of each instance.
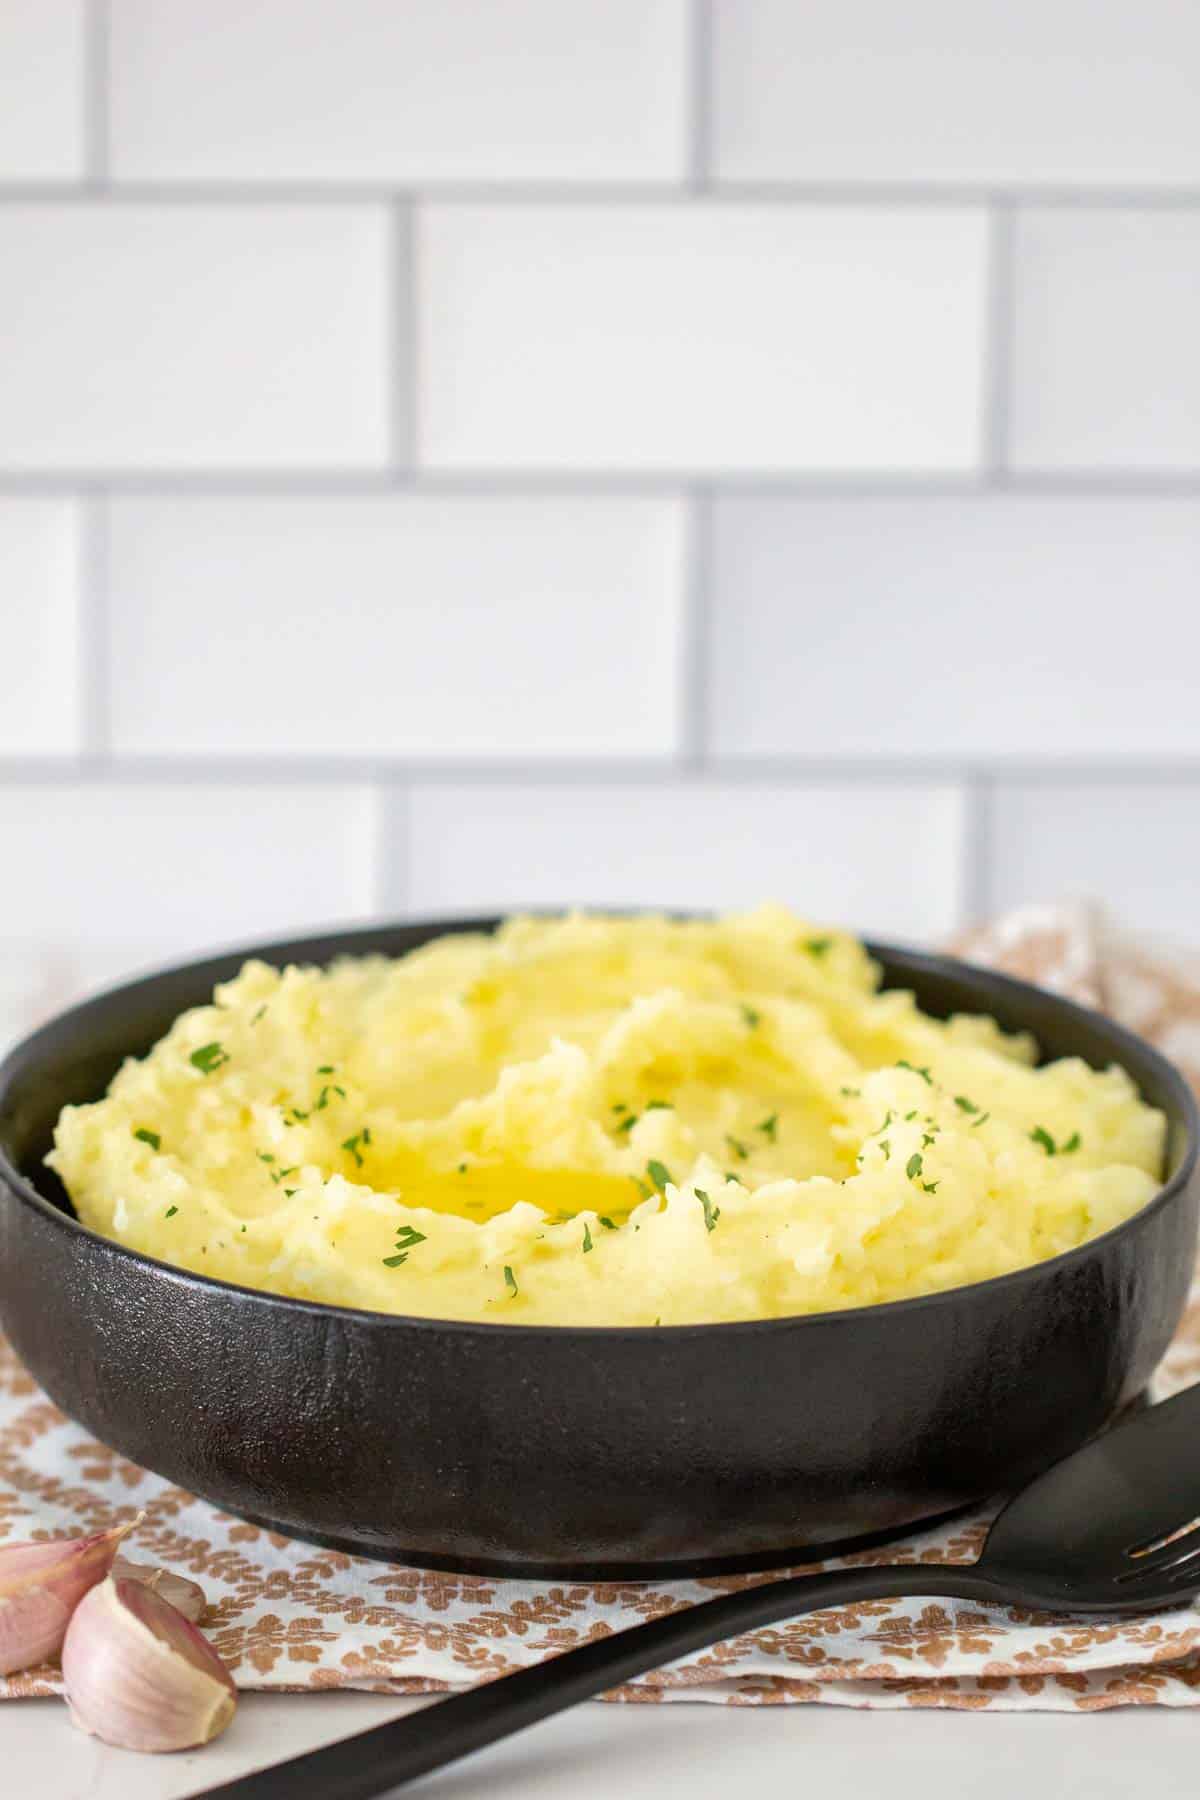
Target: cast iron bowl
(564, 1450)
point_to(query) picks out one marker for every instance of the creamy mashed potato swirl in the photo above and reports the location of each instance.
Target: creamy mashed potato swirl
(603, 1121)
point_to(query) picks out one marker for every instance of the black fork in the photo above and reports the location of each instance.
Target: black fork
(1115, 1528)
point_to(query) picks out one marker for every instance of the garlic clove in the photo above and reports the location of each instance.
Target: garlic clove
(187, 1597)
(40, 1587)
(138, 1675)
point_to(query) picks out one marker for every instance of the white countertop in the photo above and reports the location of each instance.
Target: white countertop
(693, 1752)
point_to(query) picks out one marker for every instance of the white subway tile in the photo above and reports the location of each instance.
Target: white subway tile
(1049, 625)
(431, 626)
(376, 90)
(133, 337)
(40, 701)
(882, 857)
(113, 874)
(1132, 845)
(1106, 356)
(41, 90)
(935, 90)
(700, 337)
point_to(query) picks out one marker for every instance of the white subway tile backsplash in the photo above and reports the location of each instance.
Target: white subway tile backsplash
(1133, 845)
(112, 873)
(391, 90)
(1106, 354)
(42, 90)
(40, 700)
(700, 337)
(976, 627)
(423, 626)
(251, 337)
(935, 90)
(880, 857)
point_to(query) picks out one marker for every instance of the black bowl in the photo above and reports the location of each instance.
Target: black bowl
(562, 1450)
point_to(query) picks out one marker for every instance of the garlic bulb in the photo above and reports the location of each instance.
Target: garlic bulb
(40, 1587)
(187, 1597)
(138, 1675)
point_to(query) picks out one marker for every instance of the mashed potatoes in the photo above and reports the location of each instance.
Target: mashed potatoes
(603, 1121)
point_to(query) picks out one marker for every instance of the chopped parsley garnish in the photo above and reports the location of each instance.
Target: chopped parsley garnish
(288, 1192)
(886, 1147)
(643, 1187)
(711, 1213)
(171, 1211)
(658, 1172)
(208, 1058)
(751, 1016)
(1072, 1143)
(407, 1237)
(148, 1137)
(981, 1120)
(279, 1175)
(910, 1115)
(587, 1240)
(393, 1262)
(914, 1164)
(627, 1123)
(462, 1168)
(927, 1138)
(325, 1069)
(350, 1145)
(257, 1014)
(739, 1149)
(264, 1156)
(366, 1136)
(852, 1093)
(931, 1187)
(1041, 1136)
(510, 1281)
(621, 1106)
(965, 1105)
(914, 1069)
(659, 1106)
(819, 946)
(330, 1087)
(607, 1223)
(769, 1127)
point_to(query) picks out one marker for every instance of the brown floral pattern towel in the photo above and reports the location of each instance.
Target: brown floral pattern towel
(286, 1615)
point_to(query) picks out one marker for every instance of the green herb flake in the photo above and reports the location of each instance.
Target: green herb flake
(643, 1187)
(914, 1165)
(257, 1014)
(620, 1106)
(852, 1093)
(208, 1058)
(769, 1127)
(148, 1137)
(587, 1240)
(627, 1123)
(170, 1212)
(288, 1192)
(965, 1105)
(915, 1069)
(394, 1262)
(927, 1138)
(366, 1136)
(510, 1281)
(658, 1172)
(711, 1213)
(1041, 1136)
(931, 1187)
(408, 1237)
(819, 946)
(325, 1069)
(1072, 1143)
(910, 1115)
(264, 1156)
(606, 1222)
(981, 1120)
(659, 1106)
(739, 1149)
(885, 1146)
(752, 1017)
(350, 1145)
(462, 1168)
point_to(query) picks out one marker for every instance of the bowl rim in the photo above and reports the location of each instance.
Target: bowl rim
(902, 956)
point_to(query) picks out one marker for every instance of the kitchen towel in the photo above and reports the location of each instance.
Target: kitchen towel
(287, 1615)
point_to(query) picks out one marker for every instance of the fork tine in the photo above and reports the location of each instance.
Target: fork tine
(1179, 1550)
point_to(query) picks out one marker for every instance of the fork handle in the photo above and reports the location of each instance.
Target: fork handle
(376, 1761)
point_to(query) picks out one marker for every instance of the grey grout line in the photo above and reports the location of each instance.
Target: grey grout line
(402, 337)
(94, 659)
(976, 883)
(885, 770)
(97, 26)
(854, 193)
(695, 636)
(701, 72)
(998, 342)
(1109, 484)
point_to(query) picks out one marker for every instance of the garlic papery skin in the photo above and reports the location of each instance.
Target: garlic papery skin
(187, 1597)
(40, 1587)
(138, 1675)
